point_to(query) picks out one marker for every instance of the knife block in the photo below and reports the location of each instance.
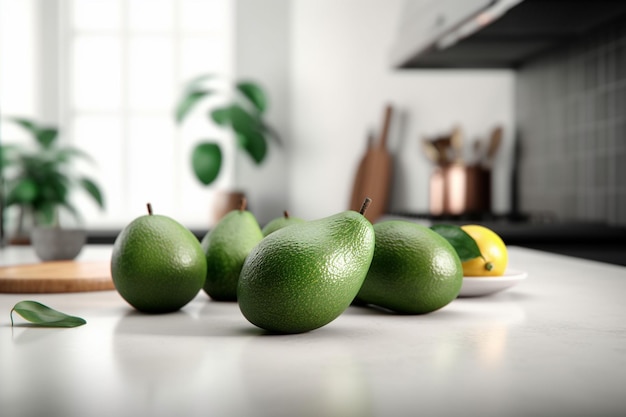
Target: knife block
(456, 189)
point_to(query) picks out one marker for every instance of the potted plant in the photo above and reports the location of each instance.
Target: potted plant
(39, 181)
(242, 114)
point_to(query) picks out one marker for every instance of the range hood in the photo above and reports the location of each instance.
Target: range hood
(493, 33)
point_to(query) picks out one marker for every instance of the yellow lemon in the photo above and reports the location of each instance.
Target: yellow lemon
(494, 254)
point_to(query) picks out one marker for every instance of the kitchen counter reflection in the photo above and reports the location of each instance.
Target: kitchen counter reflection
(553, 345)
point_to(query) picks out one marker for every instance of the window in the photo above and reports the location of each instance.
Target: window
(127, 61)
(122, 65)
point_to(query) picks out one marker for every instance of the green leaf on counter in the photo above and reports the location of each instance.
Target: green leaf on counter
(463, 243)
(44, 316)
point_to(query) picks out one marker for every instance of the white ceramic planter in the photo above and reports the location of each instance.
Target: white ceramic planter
(53, 244)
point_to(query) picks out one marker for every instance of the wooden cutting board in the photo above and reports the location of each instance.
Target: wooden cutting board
(356, 201)
(56, 277)
(375, 175)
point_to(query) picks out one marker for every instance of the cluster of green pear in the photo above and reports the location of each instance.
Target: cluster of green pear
(291, 276)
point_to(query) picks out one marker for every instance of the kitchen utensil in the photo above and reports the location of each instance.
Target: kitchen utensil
(377, 174)
(430, 151)
(56, 277)
(442, 144)
(356, 199)
(493, 146)
(456, 144)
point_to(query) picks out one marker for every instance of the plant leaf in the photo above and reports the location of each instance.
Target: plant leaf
(254, 93)
(9, 154)
(66, 153)
(188, 102)
(242, 121)
(249, 134)
(44, 316)
(53, 186)
(47, 136)
(206, 161)
(25, 191)
(269, 130)
(221, 116)
(254, 144)
(93, 190)
(45, 214)
(463, 243)
(195, 82)
(26, 124)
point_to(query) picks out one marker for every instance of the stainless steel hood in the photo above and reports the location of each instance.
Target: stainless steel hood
(493, 33)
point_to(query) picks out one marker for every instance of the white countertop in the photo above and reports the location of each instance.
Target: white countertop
(555, 345)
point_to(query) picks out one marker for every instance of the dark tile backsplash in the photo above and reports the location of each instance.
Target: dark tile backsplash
(571, 113)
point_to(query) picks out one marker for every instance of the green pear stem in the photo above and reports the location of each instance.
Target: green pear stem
(149, 206)
(286, 214)
(366, 204)
(242, 204)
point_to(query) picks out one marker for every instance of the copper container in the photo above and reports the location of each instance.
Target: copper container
(437, 192)
(456, 189)
(478, 190)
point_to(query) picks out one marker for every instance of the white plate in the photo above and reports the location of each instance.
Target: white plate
(479, 286)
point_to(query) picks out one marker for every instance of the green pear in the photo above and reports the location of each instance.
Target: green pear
(414, 270)
(280, 222)
(226, 247)
(157, 264)
(304, 276)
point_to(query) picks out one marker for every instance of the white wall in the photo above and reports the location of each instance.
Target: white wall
(325, 65)
(262, 53)
(340, 82)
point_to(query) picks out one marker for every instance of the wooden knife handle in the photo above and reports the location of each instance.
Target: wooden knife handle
(387, 121)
